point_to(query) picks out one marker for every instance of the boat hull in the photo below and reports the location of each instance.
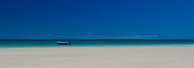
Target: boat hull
(64, 43)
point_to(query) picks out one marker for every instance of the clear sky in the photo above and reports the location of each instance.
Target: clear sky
(96, 19)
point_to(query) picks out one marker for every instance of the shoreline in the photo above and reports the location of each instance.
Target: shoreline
(84, 46)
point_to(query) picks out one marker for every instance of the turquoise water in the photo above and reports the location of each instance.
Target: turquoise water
(80, 43)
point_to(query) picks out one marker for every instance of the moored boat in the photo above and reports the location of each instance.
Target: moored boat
(64, 43)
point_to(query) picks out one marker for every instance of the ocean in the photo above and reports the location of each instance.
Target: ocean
(94, 42)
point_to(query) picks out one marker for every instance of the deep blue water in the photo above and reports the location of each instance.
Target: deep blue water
(95, 42)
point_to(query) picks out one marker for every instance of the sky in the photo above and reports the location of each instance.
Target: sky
(96, 19)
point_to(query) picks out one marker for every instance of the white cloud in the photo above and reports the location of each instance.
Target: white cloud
(88, 36)
(117, 37)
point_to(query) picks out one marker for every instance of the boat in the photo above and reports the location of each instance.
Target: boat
(64, 43)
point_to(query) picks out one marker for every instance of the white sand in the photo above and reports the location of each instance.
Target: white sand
(98, 57)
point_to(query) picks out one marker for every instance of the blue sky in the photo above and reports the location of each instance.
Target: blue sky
(96, 19)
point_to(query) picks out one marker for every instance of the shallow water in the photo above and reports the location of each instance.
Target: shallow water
(94, 42)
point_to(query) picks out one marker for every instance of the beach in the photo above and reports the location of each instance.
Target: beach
(97, 57)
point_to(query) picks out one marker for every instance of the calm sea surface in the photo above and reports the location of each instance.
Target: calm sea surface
(82, 43)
